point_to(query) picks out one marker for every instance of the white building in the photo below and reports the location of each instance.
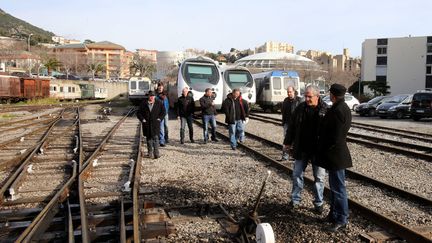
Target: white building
(404, 63)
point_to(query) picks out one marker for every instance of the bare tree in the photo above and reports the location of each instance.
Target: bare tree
(68, 62)
(142, 66)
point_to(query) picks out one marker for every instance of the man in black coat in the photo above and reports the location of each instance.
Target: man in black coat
(334, 155)
(302, 142)
(236, 115)
(208, 114)
(185, 109)
(151, 112)
(288, 107)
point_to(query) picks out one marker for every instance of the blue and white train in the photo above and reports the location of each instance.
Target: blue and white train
(240, 78)
(272, 86)
(198, 74)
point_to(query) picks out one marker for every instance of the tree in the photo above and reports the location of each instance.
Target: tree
(51, 63)
(88, 41)
(68, 62)
(95, 68)
(378, 87)
(142, 66)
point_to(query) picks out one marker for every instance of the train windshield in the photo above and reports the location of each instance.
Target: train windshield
(277, 83)
(133, 85)
(200, 75)
(290, 82)
(239, 79)
(144, 85)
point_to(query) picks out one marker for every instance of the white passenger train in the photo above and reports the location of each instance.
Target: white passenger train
(272, 85)
(138, 88)
(198, 74)
(240, 78)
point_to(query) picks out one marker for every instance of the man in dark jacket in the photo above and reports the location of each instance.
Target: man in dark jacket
(162, 95)
(151, 112)
(334, 155)
(301, 140)
(288, 107)
(236, 114)
(208, 114)
(185, 110)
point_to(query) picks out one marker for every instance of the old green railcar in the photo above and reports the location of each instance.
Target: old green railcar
(87, 91)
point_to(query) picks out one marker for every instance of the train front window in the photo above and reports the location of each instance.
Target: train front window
(239, 79)
(143, 85)
(277, 83)
(133, 85)
(198, 76)
(290, 82)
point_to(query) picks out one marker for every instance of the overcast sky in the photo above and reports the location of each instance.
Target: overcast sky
(328, 25)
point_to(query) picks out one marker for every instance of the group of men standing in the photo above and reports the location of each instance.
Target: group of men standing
(153, 113)
(317, 134)
(313, 133)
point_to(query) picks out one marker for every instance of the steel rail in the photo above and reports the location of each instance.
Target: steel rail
(24, 163)
(387, 223)
(84, 172)
(42, 221)
(427, 155)
(135, 191)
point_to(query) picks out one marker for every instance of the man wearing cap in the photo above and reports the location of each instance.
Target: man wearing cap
(150, 113)
(334, 155)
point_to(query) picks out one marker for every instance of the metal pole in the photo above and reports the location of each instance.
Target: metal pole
(28, 42)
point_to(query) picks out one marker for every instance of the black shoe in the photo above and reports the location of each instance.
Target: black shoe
(233, 148)
(192, 141)
(293, 206)
(337, 227)
(328, 219)
(162, 145)
(181, 141)
(215, 140)
(205, 141)
(166, 141)
(156, 157)
(318, 209)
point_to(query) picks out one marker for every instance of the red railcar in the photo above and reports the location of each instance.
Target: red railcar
(14, 88)
(32, 88)
(10, 88)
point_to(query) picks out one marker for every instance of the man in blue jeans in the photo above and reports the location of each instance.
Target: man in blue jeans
(163, 97)
(208, 114)
(334, 155)
(302, 142)
(236, 115)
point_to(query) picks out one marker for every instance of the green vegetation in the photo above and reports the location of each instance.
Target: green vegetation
(14, 27)
(44, 101)
(8, 116)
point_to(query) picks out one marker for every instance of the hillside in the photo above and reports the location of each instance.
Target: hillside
(14, 27)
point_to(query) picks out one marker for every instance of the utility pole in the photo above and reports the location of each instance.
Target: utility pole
(28, 43)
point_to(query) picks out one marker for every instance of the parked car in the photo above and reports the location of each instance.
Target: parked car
(397, 107)
(388, 108)
(369, 108)
(68, 77)
(350, 100)
(421, 105)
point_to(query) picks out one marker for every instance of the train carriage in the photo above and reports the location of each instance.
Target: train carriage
(240, 78)
(272, 85)
(198, 74)
(87, 91)
(138, 88)
(10, 88)
(65, 91)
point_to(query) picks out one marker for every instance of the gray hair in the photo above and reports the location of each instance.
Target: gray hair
(185, 89)
(315, 90)
(292, 87)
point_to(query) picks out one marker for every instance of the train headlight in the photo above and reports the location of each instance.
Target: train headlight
(250, 96)
(214, 95)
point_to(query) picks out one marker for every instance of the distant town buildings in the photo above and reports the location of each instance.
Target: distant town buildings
(272, 46)
(113, 57)
(62, 41)
(333, 63)
(404, 63)
(17, 61)
(148, 54)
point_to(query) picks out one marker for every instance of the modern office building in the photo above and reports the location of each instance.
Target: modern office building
(404, 63)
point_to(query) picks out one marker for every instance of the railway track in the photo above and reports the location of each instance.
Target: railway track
(40, 176)
(78, 209)
(107, 178)
(397, 223)
(421, 151)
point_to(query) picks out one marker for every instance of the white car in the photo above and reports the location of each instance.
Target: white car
(350, 100)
